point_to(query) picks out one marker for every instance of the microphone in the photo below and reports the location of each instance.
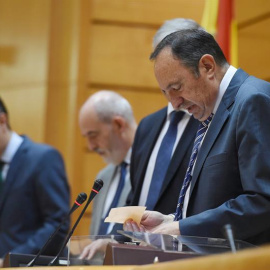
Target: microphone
(77, 203)
(228, 231)
(98, 184)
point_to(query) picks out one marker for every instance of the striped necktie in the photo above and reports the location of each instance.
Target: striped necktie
(199, 136)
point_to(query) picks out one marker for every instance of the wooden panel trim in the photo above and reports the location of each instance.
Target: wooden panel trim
(125, 24)
(122, 87)
(253, 21)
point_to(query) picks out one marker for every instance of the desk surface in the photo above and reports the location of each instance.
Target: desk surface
(94, 267)
(250, 259)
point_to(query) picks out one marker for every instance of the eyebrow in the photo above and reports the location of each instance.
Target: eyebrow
(91, 132)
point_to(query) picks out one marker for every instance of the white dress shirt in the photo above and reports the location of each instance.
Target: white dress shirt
(113, 187)
(152, 161)
(10, 151)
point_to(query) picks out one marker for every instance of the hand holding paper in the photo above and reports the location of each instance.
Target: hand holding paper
(121, 214)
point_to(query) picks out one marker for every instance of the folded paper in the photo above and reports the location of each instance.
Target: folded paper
(121, 214)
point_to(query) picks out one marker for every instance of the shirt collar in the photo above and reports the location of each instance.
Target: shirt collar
(128, 157)
(171, 109)
(224, 85)
(12, 147)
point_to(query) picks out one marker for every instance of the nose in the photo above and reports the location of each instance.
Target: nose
(91, 144)
(175, 99)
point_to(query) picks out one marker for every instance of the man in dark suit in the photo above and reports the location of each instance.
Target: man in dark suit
(145, 141)
(228, 178)
(34, 193)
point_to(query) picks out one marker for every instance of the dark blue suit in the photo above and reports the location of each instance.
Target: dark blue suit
(231, 179)
(34, 199)
(144, 142)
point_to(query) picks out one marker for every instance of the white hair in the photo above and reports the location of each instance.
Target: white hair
(108, 104)
(174, 25)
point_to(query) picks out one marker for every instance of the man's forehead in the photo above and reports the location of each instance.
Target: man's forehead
(165, 53)
(97, 127)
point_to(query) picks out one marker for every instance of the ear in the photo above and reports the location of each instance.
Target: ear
(118, 124)
(207, 65)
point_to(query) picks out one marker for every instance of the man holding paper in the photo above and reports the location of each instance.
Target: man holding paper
(228, 177)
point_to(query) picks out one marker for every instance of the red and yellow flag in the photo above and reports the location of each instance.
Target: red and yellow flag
(219, 20)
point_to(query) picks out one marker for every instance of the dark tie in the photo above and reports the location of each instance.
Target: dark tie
(199, 136)
(104, 226)
(1, 177)
(163, 159)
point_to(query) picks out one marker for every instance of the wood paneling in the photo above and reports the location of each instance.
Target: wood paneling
(247, 10)
(119, 56)
(146, 11)
(26, 106)
(24, 38)
(254, 44)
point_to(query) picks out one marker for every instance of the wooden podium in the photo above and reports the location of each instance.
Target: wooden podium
(21, 260)
(119, 254)
(116, 254)
(250, 259)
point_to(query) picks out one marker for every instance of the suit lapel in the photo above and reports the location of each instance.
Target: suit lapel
(110, 172)
(186, 140)
(149, 144)
(218, 121)
(210, 137)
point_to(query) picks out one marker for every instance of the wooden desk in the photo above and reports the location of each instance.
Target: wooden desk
(251, 259)
(126, 267)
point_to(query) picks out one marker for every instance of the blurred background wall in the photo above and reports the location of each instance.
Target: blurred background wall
(55, 53)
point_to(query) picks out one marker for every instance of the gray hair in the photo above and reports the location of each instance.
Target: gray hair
(108, 104)
(174, 25)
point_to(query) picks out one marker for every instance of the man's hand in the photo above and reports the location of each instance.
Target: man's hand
(154, 222)
(96, 246)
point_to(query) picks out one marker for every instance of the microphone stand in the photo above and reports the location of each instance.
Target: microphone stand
(80, 199)
(229, 235)
(97, 186)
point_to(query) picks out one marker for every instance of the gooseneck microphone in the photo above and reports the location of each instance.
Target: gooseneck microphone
(98, 184)
(228, 231)
(77, 203)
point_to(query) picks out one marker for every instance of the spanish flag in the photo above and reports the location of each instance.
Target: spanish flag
(219, 20)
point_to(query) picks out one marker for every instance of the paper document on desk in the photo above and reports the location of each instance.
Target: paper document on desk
(121, 214)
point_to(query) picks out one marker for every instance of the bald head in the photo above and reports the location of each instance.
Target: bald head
(107, 104)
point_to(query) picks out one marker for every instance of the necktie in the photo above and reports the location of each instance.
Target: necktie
(163, 160)
(1, 177)
(104, 226)
(199, 136)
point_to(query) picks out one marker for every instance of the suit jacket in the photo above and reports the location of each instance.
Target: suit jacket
(107, 175)
(34, 199)
(144, 142)
(231, 178)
